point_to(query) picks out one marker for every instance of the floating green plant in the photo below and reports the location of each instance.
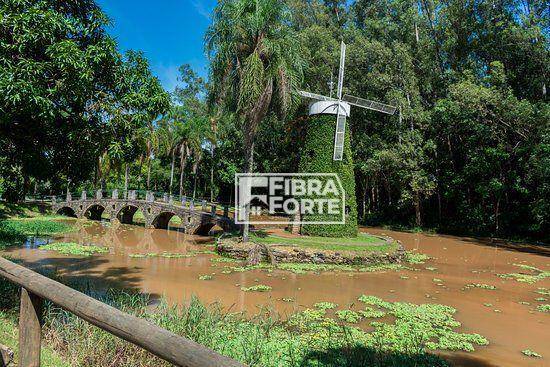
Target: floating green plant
(537, 275)
(169, 255)
(530, 353)
(416, 258)
(72, 248)
(325, 305)
(544, 308)
(206, 277)
(432, 323)
(480, 286)
(371, 313)
(543, 291)
(348, 316)
(257, 288)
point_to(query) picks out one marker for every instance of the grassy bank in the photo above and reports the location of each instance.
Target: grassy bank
(15, 231)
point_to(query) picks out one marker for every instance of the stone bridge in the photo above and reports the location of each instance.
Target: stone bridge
(197, 217)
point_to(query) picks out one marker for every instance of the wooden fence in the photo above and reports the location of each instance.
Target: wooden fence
(36, 288)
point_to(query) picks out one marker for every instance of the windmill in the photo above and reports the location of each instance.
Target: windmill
(340, 106)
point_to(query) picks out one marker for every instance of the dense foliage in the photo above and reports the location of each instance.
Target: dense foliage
(316, 156)
(468, 151)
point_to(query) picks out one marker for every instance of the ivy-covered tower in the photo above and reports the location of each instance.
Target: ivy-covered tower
(317, 157)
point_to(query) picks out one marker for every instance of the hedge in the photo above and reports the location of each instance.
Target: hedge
(316, 156)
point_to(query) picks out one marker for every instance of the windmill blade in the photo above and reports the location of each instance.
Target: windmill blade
(315, 96)
(341, 70)
(339, 136)
(371, 105)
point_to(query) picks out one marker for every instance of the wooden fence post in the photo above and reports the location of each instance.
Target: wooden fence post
(30, 329)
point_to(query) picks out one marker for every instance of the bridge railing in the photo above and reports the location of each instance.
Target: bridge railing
(36, 288)
(203, 205)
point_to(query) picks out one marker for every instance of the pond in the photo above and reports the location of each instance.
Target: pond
(461, 273)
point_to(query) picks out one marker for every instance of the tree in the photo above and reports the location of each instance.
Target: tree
(255, 63)
(58, 68)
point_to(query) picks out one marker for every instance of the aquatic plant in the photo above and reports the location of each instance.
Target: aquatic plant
(348, 316)
(168, 255)
(530, 353)
(544, 308)
(72, 248)
(206, 277)
(371, 313)
(223, 260)
(527, 278)
(543, 291)
(325, 305)
(480, 286)
(416, 257)
(430, 324)
(257, 288)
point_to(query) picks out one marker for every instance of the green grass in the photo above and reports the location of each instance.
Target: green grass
(72, 248)
(9, 337)
(362, 243)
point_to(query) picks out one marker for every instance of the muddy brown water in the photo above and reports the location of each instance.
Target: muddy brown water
(513, 327)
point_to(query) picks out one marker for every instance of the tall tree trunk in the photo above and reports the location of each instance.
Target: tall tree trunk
(172, 170)
(126, 177)
(183, 160)
(148, 172)
(417, 209)
(255, 117)
(212, 175)
(248, 169)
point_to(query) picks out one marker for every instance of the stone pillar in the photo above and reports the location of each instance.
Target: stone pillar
(68, 197)
(171, 199)
(192, 205)
(84, 195)
(132, 195)
(115, 194)
(184, 201)
(165, 197)
(204, 205)
(99, 194)
(149, 196)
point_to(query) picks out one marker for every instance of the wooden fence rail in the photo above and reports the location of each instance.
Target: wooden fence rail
(163, 343)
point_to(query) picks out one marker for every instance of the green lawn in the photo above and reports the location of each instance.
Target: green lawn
(363, 242)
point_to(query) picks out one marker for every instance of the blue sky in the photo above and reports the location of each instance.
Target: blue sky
(169, 32)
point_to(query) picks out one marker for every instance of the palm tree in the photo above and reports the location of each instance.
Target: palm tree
(255, 63)
(169, 141)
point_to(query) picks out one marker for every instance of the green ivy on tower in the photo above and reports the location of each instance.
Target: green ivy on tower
(316, 157)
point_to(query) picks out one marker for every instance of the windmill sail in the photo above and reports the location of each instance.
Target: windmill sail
(341, 70)
(339, 136)
(371, 105)
(315, 96)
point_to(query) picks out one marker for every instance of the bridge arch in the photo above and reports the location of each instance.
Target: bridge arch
(127, 214)
(94, 211)
(162, 220)
(67, 211)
